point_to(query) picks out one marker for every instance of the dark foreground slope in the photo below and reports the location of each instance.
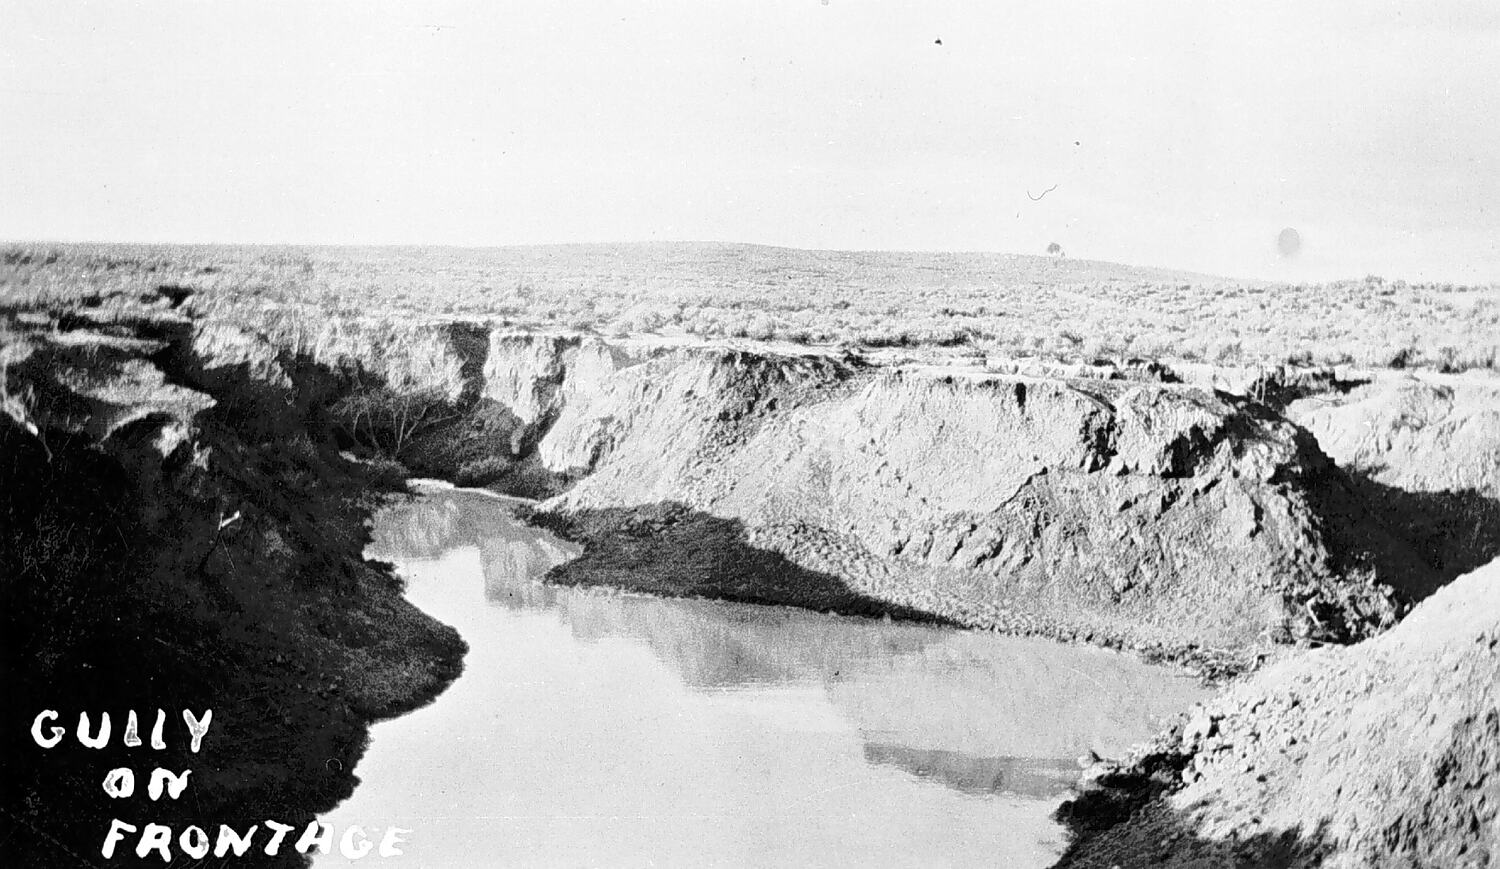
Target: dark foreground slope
(1386, 753)
(168, 540)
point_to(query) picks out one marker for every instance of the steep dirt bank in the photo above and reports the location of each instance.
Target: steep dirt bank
(1120, 512)
(1126, 512)
(177, 530)
(1386, 753)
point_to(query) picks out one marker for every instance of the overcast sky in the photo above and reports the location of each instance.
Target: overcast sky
(1169, 134)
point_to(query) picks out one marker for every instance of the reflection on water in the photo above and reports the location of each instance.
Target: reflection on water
(597, 728)
(1043, 778)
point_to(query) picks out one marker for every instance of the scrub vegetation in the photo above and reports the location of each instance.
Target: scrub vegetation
(957, 303)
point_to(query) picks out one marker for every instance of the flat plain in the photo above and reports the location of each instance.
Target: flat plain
(962, 304)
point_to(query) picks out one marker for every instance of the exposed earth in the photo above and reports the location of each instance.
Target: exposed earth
(1297, 531)
(1386, 753)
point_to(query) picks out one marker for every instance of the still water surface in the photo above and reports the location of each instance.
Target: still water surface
(592, 728)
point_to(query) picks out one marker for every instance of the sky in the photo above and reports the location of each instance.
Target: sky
(1180, 134)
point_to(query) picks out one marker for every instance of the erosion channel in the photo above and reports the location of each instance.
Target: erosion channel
(592, 727)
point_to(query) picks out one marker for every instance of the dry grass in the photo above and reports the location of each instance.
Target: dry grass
(971, 303)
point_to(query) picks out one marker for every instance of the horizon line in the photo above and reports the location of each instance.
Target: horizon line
(313, 245)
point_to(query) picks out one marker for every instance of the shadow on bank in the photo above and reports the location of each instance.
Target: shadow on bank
(1453, 532)
(670, 549)
(1125, 820)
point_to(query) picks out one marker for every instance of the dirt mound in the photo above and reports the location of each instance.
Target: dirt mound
(1386, 753)
(1121, 512)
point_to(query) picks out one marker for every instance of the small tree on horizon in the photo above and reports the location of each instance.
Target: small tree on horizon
(1055, 249)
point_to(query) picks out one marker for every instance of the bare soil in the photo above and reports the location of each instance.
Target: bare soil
(1386, 753)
